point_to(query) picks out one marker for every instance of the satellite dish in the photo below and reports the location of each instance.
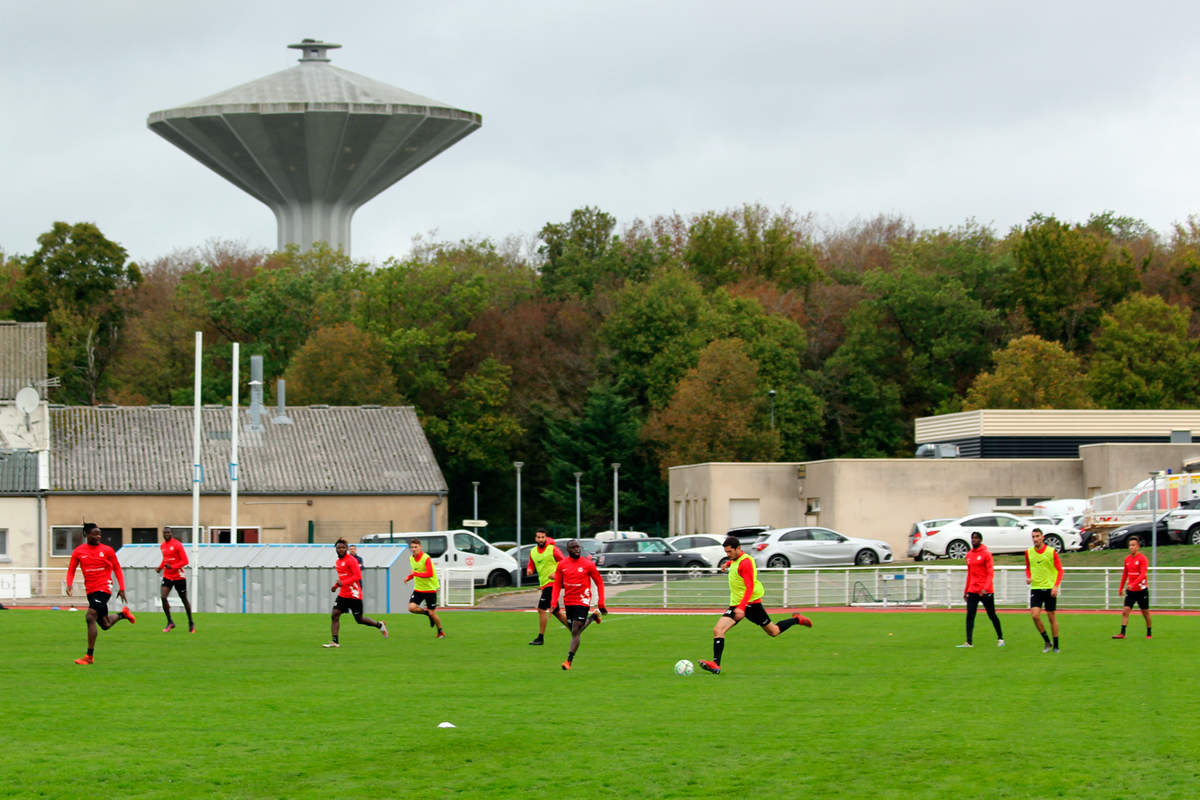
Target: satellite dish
(28, 400)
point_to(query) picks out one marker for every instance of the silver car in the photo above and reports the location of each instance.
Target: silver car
(809, 547)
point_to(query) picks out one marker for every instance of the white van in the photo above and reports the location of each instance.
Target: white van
(612, 536)
(459, 549)
(1060, 508)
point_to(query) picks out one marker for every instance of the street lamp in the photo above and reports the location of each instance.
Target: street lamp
(771, 394)
(518, 465)
(475, 507)
(616, 466)
(578, 475)
(1154, 533)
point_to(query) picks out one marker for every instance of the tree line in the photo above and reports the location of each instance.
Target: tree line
(739, 335)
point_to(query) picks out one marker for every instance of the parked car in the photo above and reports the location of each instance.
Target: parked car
(617, 556)
(459, 549)
(1184, 522)
(706, 545)
(795, 547)
(919, 530)
(1119, 539)
(608, 536)
(748, 534)
(1002, 533)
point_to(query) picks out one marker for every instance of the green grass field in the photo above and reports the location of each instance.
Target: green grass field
(876, 705)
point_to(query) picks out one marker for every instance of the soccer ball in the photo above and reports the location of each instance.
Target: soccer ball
(684, 667)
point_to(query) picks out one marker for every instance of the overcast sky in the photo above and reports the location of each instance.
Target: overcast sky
(940, 110)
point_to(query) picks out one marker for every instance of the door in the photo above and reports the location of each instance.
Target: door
(831, 547)
(655, 553)
(743, 512)
(798, 547)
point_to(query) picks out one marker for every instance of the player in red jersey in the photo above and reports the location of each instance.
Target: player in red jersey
(174, 559)
(98, 562)
(573, 578)
(349, 594)
(1137, 568)
(980, 571)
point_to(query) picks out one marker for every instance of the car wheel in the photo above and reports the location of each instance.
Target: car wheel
(613, 577)
(499, 577)
(1194, 534)
(724, 560)
(866, 558)
(778, 561)
(1141, 541)
(957, 549)
(695, 569)
(1055, 543)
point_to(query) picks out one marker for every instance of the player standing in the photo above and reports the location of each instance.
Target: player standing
(573, 578)
(980, 571)
(1137, 568)
(174, 559)
(543, 559)
(745, 602)
(349, 594)
(98, 562)
(1044, 574)
(425, 586)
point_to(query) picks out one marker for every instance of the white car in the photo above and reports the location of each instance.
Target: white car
(1002, 533)
(807, 547)
(706, 545)
(926, 527)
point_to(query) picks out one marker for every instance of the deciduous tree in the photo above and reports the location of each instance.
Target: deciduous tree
(1033, 373)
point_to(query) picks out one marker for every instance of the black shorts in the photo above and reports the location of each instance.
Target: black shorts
(577, 614)
(1140, 598)
(180, 586)
(428, 598)
(352, 605)
(99, 602)
(1043, 598)
(544, 600)
(754, 612)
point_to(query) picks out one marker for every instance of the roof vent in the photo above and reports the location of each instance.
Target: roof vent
(313, 49)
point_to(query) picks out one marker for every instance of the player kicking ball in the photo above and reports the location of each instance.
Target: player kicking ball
(745, 602)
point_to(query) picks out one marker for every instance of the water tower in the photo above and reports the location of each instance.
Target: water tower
(314, 142)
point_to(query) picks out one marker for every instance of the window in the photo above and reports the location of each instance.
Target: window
(65, 538)
(434, 546)
(623, 547)
(4, 543)
(826, 535)
(1009, 502)
(143, 535)
(470, 544)
(797, 536)
(1007, 522)
(651, 546)
(245, 535)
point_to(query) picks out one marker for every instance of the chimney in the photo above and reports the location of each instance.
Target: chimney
(280, 417)
(256, 393)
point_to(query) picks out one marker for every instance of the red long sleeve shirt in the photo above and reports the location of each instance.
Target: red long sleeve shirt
(349, 577)
(1137, 568)
(97, 562)
(174, 559)
(980, 570)
(574, 577)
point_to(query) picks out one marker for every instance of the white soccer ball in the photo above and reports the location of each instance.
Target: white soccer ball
(684, 667)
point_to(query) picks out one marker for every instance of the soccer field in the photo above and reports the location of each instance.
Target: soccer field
(871, 705)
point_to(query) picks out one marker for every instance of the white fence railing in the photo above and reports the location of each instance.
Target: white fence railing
(900, 586)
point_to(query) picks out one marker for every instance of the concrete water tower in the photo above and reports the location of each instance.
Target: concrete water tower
(314, 142)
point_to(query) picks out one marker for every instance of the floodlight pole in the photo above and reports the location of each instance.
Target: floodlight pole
(771, 394)
(616, 466)
(1154, 534)
(197, 473)
(518, 465)
(578, 475)
(233, 450)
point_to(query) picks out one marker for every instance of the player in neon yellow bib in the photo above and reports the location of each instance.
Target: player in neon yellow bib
(544, 558)
(425, 585)
(1044, 574)
(745, 602)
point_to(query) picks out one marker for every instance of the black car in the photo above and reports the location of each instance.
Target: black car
(1119, 539)
(615, 557)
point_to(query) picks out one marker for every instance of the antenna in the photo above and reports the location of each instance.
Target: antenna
(28, 400)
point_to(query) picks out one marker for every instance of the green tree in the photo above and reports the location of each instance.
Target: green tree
(1030, 373)
(715, 413)
(476, 433)
(341, 365)
(730, 246)
(1144, 357)
(580, 254)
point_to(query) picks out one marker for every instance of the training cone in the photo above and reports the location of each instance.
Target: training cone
(445, 724)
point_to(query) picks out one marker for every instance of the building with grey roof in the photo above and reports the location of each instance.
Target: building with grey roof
(22, 357)
(314, 142)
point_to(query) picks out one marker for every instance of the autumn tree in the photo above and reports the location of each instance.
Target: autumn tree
(1144, 357)
(1030, 372)
(341, 365)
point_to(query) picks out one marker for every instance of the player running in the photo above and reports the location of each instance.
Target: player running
(543, 559)
(98, 562)
(1137, 568)
(349, 597)
(745, 602)
(425, 586)
(980, 571)
(573, 577)
(174, 559)
(1044, 574)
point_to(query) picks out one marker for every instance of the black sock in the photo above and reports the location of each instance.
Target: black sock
(570, 657)
(90, 649)
(379, 625)
(1147, 630)
(1045, 637)
(335, 640)
(190, 623)
(1055, 642)
(169, 620)
(787, 623)
(718, 649)
(1122, 630)
(538, 638)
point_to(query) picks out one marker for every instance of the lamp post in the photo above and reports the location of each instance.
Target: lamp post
(771, 394)
(1154, 534)
(518, 465)
(475, 507)
(578, 475)
(616, 466)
